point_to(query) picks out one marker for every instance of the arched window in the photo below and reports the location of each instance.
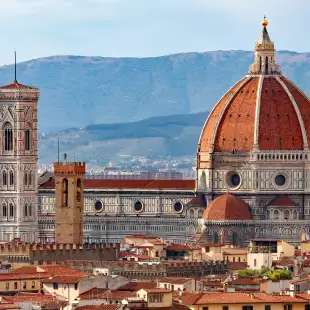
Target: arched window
(191, 213)
(276, 215)
(266, 65)
(30, 210)
(200, 213)
(11, 178)
(29, 178)
(65, 192)
(215, 237)
(25, 210)
(268, 214)
(295, 214)
(8, 137)
(4, 178)
(26, 178)
(27, 140)
(234, 239)
(255, 262)
(286, 214)
(4, 210)
(11, 210)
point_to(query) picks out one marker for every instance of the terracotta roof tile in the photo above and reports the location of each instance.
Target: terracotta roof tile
(64, 279)
(227, 207)
(282, 201)
(138, 285)
(174, 280)
(156, 290)
(130, 184)
(16, 85)
(100, 307)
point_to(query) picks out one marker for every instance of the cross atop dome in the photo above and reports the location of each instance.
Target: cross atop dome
(264, 62)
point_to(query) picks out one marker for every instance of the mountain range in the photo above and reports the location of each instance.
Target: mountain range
(78, 91)
(135, 106)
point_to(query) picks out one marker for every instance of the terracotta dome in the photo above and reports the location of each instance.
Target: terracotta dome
(227, 208)
(262, 111)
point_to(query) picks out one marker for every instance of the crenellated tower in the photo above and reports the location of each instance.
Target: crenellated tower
(69, 203)
(18, 161)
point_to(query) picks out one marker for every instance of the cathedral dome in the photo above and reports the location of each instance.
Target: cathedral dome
(227, 208)
(262, 111)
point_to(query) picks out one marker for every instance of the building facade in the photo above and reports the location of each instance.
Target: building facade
(18, 162)
(255, 144)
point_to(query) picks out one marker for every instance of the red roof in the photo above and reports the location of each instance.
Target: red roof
(64, 279)
(139, 184)
(137, 285)
(16, 85)
(282, 201)
(227, 207)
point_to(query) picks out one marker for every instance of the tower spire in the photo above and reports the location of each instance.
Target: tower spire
(15, 69)
(264, 62)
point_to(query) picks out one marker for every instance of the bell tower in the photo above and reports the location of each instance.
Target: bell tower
(69, 202)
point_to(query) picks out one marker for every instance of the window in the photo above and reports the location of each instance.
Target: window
(4, 210)
(225, 307)
(30, 210)
(11, 178)
(307, 307)
(15, 285)
(205, 308)
(287, 307)
(27, 140)
(8, 137)
(215, 237)
(65, 192)
(33, 284)
(75, 286)
(267, 307)
(255, 262)
(24, 285)
(7, 286)
(11, 210)
(4, 178)
(55, 286)
(29, 178)
(26, 179)
(247, 307)
(25, 210)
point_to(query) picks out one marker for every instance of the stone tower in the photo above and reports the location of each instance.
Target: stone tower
(69, 203)
(18, 161)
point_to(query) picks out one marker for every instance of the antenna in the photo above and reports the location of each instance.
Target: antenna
(58, 151)
(15, 71)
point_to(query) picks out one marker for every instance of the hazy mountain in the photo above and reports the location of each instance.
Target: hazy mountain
(158, 138)
(77, 91)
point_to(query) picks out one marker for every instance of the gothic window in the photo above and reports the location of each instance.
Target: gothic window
(8, 137)
(11, 178)
(30, 210)
(26, 178)
(266, 65)
(4, 210)
(29, 178)
(65, 192)
(11, 210)
(25, 210)
(215, 237)
(4, 178)
(27, 140)
(234, 239)
(260, 64)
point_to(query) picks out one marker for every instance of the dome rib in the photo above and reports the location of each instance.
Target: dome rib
(257, 111)
(207, 136)
(301, 121)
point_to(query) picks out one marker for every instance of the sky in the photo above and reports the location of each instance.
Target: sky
(146, 28)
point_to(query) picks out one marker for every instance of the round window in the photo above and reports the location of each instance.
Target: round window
(178, 207)
(233, 179)
(280, 180)
(98, 206)
(138, 206)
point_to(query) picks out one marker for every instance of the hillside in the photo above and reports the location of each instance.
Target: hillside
(158, 138)
(77, 91)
